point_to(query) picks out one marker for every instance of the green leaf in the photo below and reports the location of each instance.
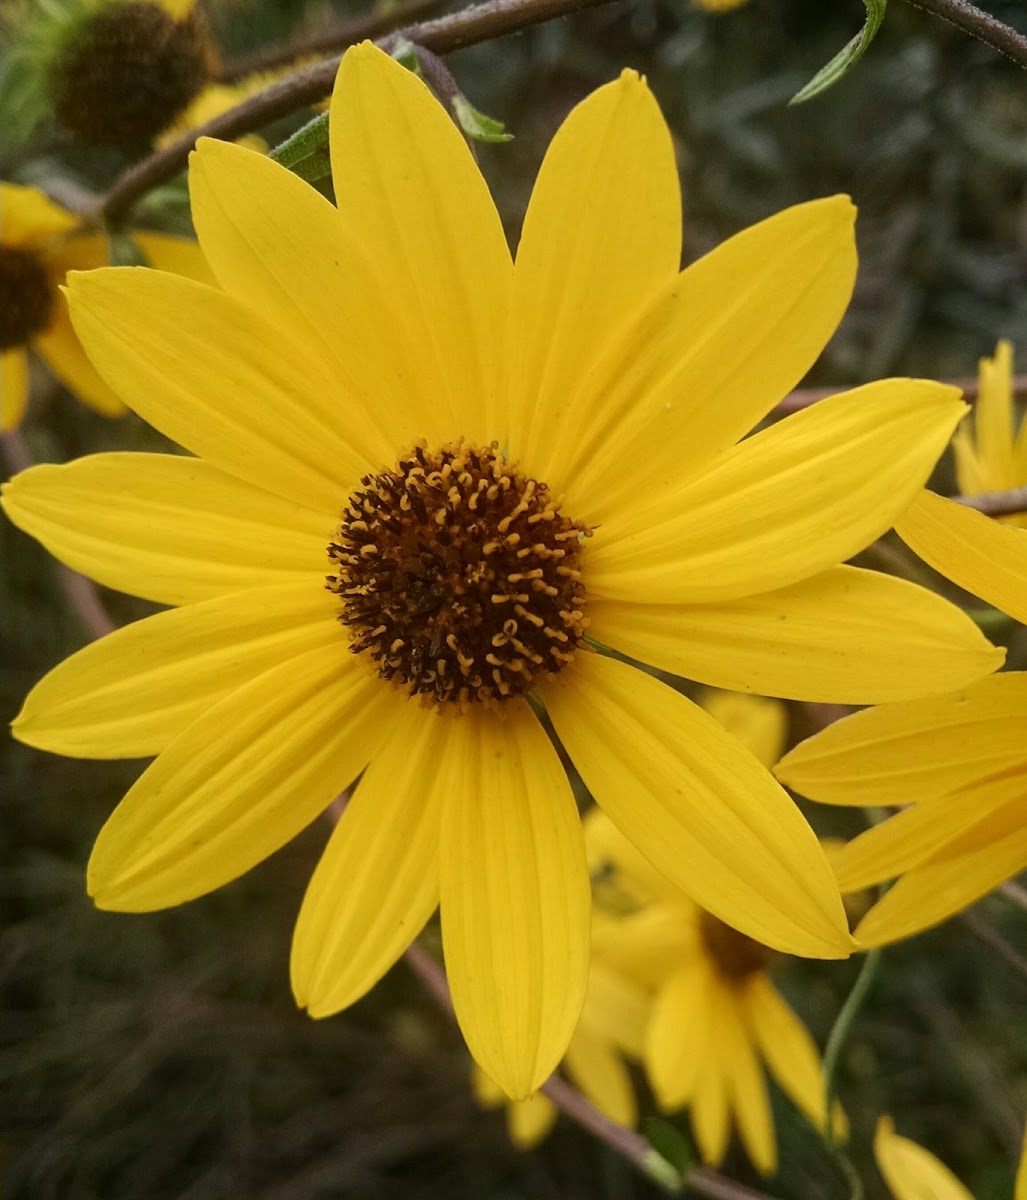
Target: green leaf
(847, 57)
(306, 153)
(405, 53)
(670, 1144)
(476, 124)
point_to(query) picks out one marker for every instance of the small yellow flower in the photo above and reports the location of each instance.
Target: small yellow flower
(39, 243)
(990, 454)
(493, 463)
(910, 1171)
(718, 6)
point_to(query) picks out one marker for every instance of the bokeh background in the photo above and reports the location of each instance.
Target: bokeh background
(162, 1056)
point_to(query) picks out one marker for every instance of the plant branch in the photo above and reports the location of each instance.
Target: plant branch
(626, 1142)
(980, 25)
(313, 83)
(369, 25)
(805, 397)
(996, 504)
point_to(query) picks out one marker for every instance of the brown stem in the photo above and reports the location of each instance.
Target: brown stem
(996, 504)
(369, 25)
(313, 83)
(626, 1142)
(80, 592)
(805, 397)
(980, 25)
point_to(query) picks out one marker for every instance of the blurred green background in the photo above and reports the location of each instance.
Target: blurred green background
(161, 1056)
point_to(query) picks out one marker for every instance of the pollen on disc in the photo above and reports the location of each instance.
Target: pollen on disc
(460, 578)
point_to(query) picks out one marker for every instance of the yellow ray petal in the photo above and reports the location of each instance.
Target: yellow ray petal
(677, 1041)
(515, 895)
(276, 243)
(129, 694)
(970, 474)
(786, 1046)
(407, 187)
(993, 418)
(599, 1073)
(616, 1008)
(601, 235)
(922, 830)
(214, 376)
(910, 1171)
(30, 219)
(239, 782)
(623, 879)
(707, 359)
(180, 256)
(710, 1114)
(528, 1121)
(486, 1091)
(1020, 1189)
(901, 753)
(645, 945)
(785, 504)
(698, 805)
(378, 880)
(845, 636)
(989, 853)
(747, 1088)
(759, 723)
(14, 387)
(175, 530)
(981, 555)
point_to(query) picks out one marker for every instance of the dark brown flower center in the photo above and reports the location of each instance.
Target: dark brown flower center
(459, 577)
(26, 296)
(736, 955)
(129, 70)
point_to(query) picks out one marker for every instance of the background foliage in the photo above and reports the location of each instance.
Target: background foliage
(161, 1056)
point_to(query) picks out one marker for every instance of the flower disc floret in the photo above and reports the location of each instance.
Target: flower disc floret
(459, 577)
(26, 297)
(736, 955)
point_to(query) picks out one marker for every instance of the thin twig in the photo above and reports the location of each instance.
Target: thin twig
(996, 941)
(313, 83)
(80, 592)
(370, 25)
(980, 25)
(1013, 891)
(805, 397)
(626, 1142)
(996, 504)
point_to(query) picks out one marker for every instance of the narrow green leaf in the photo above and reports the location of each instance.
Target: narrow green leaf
(476, 124)
(405, 53)
(124, 251)
(306, 153)
(670, 1143)
(847, 57)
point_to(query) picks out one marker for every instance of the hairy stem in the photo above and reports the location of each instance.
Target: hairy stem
(980, 25)
(997, 504)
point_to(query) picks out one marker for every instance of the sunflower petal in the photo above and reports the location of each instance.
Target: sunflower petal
(676, 1045)
(708, 358)
(845, 636)
(747, 1089)
(601, 235)
(710, 1112)
(698, 806)
(515, 896)
(131, 693)
(910, 1171)
(786, 1046)
(175, 530)
(60, 349)
(216, 377)
(378, 880)
(898, 754)
(981, 555)
(14, 387)
(616, 1008)
(239, 783)
(918, 832)
(528, 1121)
(602, 1077)
(437, 262)
(787, 503)
(31, 219)
(987, 854)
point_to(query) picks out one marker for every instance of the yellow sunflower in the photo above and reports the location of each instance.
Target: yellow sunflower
(959, 762)
(40, 243)
(488, 462)
(990, 454)
(910, 1171)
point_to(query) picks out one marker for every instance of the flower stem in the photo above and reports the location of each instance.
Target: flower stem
(839, 1035)
(980, 25)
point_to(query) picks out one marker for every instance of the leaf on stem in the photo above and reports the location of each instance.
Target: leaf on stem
(847, 57)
